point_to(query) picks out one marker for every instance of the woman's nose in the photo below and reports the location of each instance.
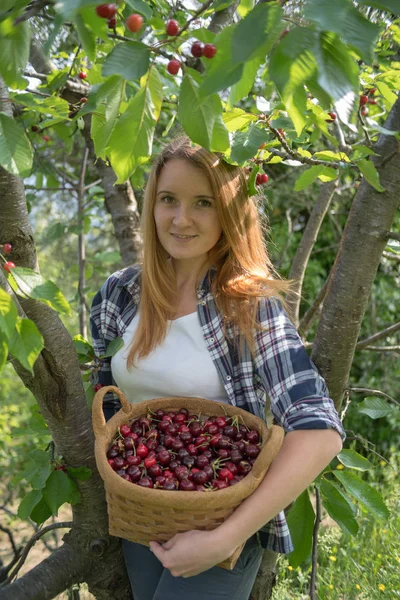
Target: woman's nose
(182, 215)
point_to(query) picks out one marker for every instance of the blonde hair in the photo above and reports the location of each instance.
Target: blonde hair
(244, 272)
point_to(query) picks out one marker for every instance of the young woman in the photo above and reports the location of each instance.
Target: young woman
(203, 315)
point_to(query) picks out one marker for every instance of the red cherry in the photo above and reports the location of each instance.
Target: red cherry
(261, 179)
(186, 485)
(284, 32)
(7, 248)
(364, 111)
(83, 100)
(332, 115)
(34, 128)
(197, 49)
(363, 100)
(225, 474)
(142, 451)
(106, 11)
(125, 430)
(133, 461)
(134, 23)
(209, 51)
(372, 101)
(45, 138)
(146, 482)
(172, 27)
(82, 75)
(98, 387)
(372, 91)
(112, 23)
(219, 484)
(173, 67)
(8, 266)
(149, 461)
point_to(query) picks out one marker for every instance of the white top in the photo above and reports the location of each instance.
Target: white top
(180, 366)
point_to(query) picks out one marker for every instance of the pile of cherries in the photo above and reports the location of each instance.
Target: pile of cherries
(176, 450)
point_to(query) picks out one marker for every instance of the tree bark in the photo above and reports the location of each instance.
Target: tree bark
(364, 239)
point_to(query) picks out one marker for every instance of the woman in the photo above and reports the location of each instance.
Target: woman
(203, 316)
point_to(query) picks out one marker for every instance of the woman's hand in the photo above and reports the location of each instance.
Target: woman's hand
(191, 553)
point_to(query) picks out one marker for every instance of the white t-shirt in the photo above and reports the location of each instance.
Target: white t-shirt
(180, 366)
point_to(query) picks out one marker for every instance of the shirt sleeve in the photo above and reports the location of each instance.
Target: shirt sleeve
(102, 374)
(298, 393)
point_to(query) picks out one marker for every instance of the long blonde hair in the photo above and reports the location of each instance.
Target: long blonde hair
(244, 272)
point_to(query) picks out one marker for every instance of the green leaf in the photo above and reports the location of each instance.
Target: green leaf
(33, 285)
(354, 460)
(301, 522)
(132, 138)
(28, 504)
(59, 489)
(141, 7)
(243, 87)
(8, 314)
(41, 512)
(237, 119)
(245, 6)
(376, 408)
(26, 343)
(202, 120)
(81, 473)
(156, 91)
(86, 36)
(113, 347)
(365, 493)
(337, 70)
(339, 507)
(38, 480)
(391, 6)
(14, 51)
(82, 346)
(16, 154)
(245, 145)
(53, 105)
(3, 350)
(389, 96)
(343, 18)
(129, 59)
(256, 34)
(306, 178)
(111, 93)
(251, 184)
(370, 173)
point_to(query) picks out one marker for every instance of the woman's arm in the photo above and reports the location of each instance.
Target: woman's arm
(303, 455)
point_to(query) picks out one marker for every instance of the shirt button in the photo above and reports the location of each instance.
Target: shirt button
(228, 377)
(203, 302)
(212, 340)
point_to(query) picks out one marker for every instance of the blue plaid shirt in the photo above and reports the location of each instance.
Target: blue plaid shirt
(281, 379)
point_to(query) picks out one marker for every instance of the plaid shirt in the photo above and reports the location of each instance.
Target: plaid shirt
(281, 379)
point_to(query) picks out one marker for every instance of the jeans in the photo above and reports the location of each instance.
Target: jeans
(150, 581)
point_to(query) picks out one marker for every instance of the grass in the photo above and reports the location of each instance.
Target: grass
(364, 567)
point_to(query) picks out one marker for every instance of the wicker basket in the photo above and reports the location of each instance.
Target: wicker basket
(141, 514)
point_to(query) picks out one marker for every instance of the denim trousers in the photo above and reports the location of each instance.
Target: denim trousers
(150, 581)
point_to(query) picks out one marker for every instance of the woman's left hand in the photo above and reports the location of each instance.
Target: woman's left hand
(188, 554)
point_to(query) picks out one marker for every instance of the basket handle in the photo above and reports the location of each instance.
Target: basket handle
(98, 420)
(273, 445)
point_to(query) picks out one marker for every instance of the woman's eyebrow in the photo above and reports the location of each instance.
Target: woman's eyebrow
(197, 196)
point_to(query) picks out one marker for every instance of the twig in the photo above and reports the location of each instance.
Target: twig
(393, 235)
(366, 443)
(310, 315)
(196, 14)
(33, 9)
(10, 537)
(30, 544)
(374, 393)
(378, 336)
(317, 521)
(81, 247)
(391, 256)
(383, 348)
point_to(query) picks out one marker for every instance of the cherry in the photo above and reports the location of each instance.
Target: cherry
(186, 485)
(112, 23)
(186, 437)
(111, 463)
(253, 436)
(7, 248)
(8, 266)
(172, 27)
(146, 482)
(173, 67)
(134, 23)
(363, 100)
(209, 51)
(155, 470)
(83, 100)
(181, 472)
(261, 178)
(244, 467)
(119, 462)
(223, 442)
(332, 115)
(150, 461)
(134, 472)
(201, 461)
(197, 49)
(159, 481)
(284, 32)
(364, 111)
(106, 11)
(170, 484)
(125, 430)
(129, 443)
(219, 484)
(229, 431)
(184, 411)
(133, 460)
(372, 91)
(142, 451)
(372, 101)
(200, 477)
(223, 453)
(232, 467)
(34, 128)
(82, 75)
(177, 444)
(45, 138)
(225, 474)
(252, 451)
(164, 457)
(220, 421)
(195, 429)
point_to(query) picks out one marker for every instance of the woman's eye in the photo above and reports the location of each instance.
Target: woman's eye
(204, 202)
(167, 199)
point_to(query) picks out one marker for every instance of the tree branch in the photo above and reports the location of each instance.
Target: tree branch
(362, 390)
(378, 336)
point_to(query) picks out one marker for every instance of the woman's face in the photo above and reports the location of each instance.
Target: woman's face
(185, 212)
